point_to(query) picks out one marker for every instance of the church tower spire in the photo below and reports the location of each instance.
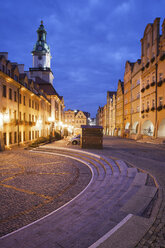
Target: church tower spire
(41, 57)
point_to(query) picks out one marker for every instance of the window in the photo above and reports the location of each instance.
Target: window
(20, 98)
(32, 104)
(24, 116)
(4, 90)
(4, 139)
(160, 76)
(10, 93)
(29, 103)
(29, 117)
(8, 72)
(15, 115)
(32, 134)
(32, 118)
(10, 138)
(20, 137)
(15, 137)
(3, 68)
(153, 103)
(29, 135)
(138, 82)
(15, 77)
(15, 96)
(24, 100)
(20, 115)
(24, 136)
(160, 101)
(148, 104)
(142, 106)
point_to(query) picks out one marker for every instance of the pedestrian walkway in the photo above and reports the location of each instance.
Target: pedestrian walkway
(114, 203)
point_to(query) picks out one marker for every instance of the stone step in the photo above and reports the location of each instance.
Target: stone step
(131, 172)
(122, 166)
(140, 179)
(140, 201)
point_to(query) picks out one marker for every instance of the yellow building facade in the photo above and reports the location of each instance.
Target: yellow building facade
(119, 123)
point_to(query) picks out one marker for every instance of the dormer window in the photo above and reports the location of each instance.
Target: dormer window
(15, 77)
(3, 68)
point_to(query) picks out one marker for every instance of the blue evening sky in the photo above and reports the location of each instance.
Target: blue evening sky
(90, 41)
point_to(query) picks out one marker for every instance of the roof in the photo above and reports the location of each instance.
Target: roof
(47, 87)
(111, 93)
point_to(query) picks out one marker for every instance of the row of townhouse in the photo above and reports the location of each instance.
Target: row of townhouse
(137, 108)
(73, 120)
(30, 107)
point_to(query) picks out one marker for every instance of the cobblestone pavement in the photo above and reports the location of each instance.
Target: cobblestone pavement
(33, 185)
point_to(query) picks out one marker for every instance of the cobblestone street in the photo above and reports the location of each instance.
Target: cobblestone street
(33, 185)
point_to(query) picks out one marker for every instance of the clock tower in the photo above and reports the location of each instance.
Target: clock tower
(41, 57)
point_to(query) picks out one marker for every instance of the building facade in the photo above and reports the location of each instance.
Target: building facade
(30, 107)
(140, 100)
(73, 120)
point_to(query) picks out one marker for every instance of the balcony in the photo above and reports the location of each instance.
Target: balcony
(152, 84)
(162, 57)
(152, 60)
(159, 108)
(147, 65)
(147, 86)
(159, 84)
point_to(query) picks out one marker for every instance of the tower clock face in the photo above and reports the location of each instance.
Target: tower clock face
(40, 48)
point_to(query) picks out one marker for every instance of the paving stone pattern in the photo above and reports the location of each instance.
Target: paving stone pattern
(33, 185)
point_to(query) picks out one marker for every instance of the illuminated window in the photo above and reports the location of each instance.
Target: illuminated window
(160, 101)
(153, 103)
(29, 103)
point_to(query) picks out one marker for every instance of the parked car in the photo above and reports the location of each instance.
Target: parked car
(75, 140)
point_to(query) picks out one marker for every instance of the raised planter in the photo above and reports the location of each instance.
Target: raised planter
(147, 110)
(142, 90)
(153, 108)
(147, 86)
(142, 111)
